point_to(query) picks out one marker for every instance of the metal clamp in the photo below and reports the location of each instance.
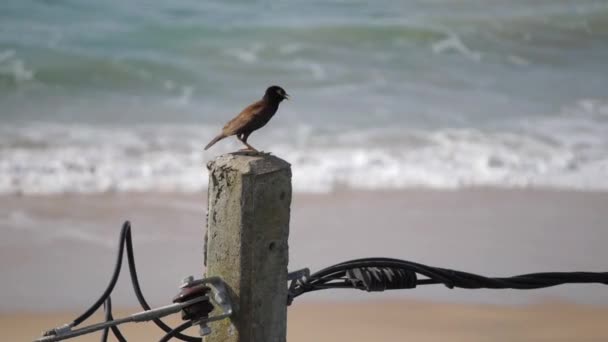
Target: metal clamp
(219, 298)
(296, 278)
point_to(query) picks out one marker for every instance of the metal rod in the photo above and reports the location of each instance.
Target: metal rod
(136, 317)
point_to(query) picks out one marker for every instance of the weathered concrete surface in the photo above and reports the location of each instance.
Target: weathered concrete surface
(246, 243)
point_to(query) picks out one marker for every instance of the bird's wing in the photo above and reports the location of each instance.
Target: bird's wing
(244, 118)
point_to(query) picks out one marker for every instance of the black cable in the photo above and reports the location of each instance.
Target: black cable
(107, 305)
(140, 296)
(125, 227)
(177, 330)
(126, 239)
(379, 274)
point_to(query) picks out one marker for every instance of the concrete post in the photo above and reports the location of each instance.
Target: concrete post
(246, 244)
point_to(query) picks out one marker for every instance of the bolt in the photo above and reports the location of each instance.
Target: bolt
(204, 329)
(220, 297)
(187, 281)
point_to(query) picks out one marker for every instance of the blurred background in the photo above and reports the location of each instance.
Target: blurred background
(467, 134)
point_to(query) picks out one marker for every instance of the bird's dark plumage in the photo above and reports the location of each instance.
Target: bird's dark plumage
(253, 117)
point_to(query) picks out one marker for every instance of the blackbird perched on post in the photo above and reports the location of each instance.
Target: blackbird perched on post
(253, 117)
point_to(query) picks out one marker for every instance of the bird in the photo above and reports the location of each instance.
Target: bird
(253, 117)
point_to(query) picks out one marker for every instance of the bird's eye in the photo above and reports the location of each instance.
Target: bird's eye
(280, 91)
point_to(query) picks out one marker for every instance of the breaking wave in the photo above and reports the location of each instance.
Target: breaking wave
(569, 151)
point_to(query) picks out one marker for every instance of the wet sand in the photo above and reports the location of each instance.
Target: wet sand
(57, 253)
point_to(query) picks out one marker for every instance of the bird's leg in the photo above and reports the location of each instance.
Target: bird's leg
(243, 138)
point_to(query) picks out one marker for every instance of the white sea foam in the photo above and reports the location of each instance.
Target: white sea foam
(248, 55)
(567, 151)
(316, 70)
(290, 48)
(14, 67)
(453, 43)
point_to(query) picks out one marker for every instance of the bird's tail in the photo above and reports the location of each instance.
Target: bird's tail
(216, 139)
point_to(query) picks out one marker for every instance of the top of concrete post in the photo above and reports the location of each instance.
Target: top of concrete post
(249, 163)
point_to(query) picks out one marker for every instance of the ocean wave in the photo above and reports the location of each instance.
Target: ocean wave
(13, 69)
(454, 43)
(52, 159)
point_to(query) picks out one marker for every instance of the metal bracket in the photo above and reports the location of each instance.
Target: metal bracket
(220, 299)
(296, 278)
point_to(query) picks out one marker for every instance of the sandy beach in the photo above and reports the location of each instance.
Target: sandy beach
(57, 253)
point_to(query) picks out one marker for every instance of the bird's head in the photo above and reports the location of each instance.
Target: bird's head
(276, 93)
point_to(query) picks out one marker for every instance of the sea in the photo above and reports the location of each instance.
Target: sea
(121, 96)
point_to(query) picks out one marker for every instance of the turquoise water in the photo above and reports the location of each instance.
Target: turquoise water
(116, 95)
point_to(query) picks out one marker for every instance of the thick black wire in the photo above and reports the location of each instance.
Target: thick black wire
(453, 278)
(125, 239)
(176, 331)
(107, 305)
(140, 296)
(336, 277)
(125, 227)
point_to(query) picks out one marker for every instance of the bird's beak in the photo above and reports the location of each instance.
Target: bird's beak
(286, 96)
